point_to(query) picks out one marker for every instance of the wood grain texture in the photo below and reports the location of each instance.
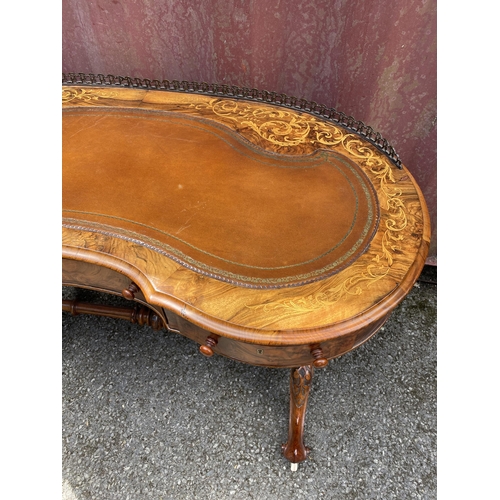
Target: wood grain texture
(301, 378)
(274, 356)
(333, 307)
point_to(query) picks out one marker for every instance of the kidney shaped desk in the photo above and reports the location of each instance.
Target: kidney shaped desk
(269, 230)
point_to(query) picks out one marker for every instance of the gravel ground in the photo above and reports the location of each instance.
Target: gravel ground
(146, 416)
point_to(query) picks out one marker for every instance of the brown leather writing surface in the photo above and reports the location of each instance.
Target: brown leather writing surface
(213, 201)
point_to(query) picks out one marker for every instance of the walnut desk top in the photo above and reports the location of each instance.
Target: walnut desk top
(267, 233)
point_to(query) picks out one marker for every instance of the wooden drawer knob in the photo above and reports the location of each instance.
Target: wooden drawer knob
(206, 349)
(319, 358)
(129, 293)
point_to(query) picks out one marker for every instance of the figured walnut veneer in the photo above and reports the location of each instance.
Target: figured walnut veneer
(269, 235)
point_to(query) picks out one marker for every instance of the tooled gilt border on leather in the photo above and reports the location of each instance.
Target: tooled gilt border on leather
(311, 107)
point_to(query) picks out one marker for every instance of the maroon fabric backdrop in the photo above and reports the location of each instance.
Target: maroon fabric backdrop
(374, 60)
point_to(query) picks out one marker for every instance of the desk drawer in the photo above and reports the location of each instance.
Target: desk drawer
(95, 277)
(272, 356)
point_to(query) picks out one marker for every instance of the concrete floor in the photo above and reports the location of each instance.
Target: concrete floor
(146, 416)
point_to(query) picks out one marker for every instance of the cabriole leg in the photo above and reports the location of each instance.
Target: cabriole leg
(300, 385)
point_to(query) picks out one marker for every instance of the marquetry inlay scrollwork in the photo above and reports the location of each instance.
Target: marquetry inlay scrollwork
(290, 128)
(69, 94)
(282, 128)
